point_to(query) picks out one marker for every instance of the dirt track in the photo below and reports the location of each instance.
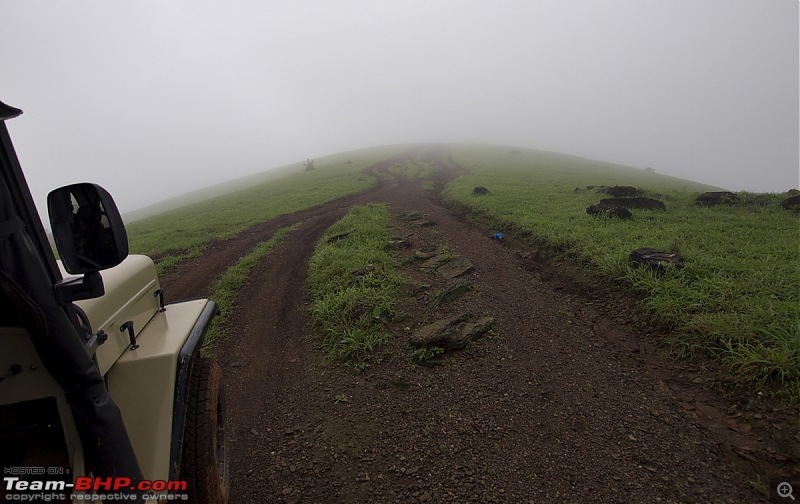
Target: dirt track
(571, 400)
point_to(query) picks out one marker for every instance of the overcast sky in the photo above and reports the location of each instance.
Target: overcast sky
(156, 98)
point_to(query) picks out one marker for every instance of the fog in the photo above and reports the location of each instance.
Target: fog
(152, 99)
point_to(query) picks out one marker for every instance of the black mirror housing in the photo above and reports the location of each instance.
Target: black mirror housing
(87, 227)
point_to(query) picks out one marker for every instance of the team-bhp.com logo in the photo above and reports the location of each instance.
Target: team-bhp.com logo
(86, 488)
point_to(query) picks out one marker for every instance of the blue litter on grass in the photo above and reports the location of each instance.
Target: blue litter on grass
(497, 236)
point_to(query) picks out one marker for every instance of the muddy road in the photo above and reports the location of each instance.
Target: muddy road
(569, 399)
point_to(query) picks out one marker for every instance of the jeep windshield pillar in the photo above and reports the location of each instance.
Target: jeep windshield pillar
(98, 374)
(28, 276)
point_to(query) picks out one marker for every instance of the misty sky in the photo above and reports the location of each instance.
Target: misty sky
(156, 98)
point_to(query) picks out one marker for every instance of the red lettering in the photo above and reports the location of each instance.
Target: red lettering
(177, 486)
(83, 483)
(103, 483)
(122, 482)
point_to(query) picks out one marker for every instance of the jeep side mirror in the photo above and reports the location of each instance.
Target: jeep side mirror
(87, 228)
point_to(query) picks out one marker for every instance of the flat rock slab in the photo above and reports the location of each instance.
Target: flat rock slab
(399, 243)
(435, 262)
(657, 260)
(447, 295)
(425, 223)
(425, 253)
(455, 267)
(454, 292)
(452, 333)
(446, 266)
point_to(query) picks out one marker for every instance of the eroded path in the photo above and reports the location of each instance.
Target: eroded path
(566, 403)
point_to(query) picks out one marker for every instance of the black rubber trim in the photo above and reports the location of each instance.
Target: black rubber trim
(188, 353)
(8, 112)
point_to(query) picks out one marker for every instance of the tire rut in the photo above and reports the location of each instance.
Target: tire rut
(579, 400)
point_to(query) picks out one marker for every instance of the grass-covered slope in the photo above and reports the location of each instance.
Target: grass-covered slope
(186, 231)
(738, 296)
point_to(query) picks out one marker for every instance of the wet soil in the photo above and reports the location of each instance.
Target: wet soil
(570, 398)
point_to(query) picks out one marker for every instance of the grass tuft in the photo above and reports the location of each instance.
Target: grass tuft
(354, 285)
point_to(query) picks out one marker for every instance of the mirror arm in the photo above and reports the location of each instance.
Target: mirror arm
(89, 286)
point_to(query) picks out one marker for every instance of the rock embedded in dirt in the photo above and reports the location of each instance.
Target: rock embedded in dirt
(714, 198)
(425, 253)
(412, 216)
(451, 293)
(792, 203)
(609, 210)
(409, 288)
(455, 267)
(636, 202)
(656, 260)
(446, 266)
(480, 191)
(399, 243)
(433, 263)
(474, 427)
(453, 333)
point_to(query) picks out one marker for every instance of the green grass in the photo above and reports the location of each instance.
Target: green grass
(737, 299)
(354, 285)
(226, 289)
(738, 296)
(185, 232)
(417, 356)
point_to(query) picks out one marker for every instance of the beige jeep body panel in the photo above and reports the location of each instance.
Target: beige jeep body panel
(141, 381)
(130, 297)
(34, 382)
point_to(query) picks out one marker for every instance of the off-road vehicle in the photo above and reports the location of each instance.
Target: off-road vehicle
(101, 381)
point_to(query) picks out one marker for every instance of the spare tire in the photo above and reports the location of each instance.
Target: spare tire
(204, 464)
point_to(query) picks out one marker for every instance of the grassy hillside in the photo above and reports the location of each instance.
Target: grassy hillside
(185, 231)
(214, 191)
(737, 297)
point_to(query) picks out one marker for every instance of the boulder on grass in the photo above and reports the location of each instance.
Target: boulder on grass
(636, 202)
(714, 198)
(480, 191)
(792, 203)
(609, 210)
(620, 191)
(656, 260)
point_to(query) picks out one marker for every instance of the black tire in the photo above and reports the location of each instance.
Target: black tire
(204, 464)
